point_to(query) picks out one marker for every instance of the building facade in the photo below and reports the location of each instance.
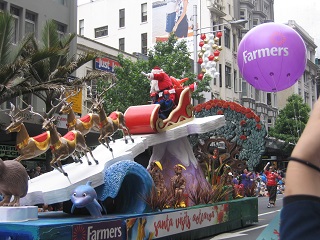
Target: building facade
(30, 16)
(306, 86)
(127, 24)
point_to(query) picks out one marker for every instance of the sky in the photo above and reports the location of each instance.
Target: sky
(304, 13)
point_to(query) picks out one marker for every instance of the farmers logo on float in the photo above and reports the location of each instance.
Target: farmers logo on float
(98, 231)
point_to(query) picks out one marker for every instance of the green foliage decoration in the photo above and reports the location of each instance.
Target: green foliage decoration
(242, 127)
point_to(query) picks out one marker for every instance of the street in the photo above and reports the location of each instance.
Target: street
(265, 216)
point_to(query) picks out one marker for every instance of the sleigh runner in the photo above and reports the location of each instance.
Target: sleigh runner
(144, 119)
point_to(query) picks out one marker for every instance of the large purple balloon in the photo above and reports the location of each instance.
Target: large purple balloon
(272, 57)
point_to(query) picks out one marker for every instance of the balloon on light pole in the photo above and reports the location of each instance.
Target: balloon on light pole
(272, 57)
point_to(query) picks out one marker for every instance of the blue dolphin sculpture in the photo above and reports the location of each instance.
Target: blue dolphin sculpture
(86, 196)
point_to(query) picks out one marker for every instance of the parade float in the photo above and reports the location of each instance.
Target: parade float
(123, 187)
(107, 194)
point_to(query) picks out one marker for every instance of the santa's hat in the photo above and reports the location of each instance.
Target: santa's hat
(156, 69)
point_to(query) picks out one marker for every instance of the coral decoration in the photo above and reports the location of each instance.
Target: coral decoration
(243, 127)
(243, 137)
(220, 112)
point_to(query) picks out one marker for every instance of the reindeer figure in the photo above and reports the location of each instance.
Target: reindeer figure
(83, 124)
(109, 124)
(64, 146)
(28, 147)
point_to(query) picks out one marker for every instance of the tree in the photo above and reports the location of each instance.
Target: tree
(40, 68)
(291, 122)
(133, 88)
(173, 57)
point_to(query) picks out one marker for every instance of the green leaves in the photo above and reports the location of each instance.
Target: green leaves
(291, 122)
(6, 32)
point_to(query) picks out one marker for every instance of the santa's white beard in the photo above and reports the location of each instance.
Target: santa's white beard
(154, 87)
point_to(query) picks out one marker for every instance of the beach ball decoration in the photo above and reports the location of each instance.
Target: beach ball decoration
(209, 54)
(272, 57)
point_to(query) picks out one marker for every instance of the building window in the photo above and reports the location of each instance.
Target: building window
(244, 88)
(26, 100)
(101, 31)
(121, 18)
(30, 26)
(255, 22)
(13, 101)
(228, 76)
(91, 87)
(2, 6)
(236, 87)
(15, 12)
(121, 44)
(61, 30)
(144, 43)
(242, 14)
(144, 16)
(81, 27)
(227, 37)
(257, 97)
(269, 101)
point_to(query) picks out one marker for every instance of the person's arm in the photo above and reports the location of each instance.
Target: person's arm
(308, 150)
(184, 12)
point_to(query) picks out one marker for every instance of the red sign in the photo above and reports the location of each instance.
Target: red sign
(105, 64)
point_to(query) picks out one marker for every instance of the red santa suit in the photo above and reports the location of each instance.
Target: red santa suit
(164, 82)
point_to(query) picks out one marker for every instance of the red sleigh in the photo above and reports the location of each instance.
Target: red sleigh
(144, 119)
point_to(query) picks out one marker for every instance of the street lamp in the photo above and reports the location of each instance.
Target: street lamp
(196, 33)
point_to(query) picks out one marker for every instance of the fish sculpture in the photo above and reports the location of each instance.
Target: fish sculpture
(86, 196)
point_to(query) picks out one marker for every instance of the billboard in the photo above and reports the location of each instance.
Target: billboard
(173, 16)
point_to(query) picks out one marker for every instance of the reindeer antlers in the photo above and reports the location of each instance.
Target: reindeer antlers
(12, 113)
(61, 101)
(35, 113)
(105, 90)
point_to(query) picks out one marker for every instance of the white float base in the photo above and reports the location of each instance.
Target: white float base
(18, 214)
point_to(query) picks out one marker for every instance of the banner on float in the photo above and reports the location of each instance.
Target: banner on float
(166, 224)
(98, 230)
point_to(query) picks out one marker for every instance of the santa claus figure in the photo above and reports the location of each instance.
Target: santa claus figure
(160, 81)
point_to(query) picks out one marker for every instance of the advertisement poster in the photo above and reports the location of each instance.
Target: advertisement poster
(173, 16)
(166, 224)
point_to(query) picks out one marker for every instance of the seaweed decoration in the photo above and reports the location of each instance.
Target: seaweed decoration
(243, 134)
